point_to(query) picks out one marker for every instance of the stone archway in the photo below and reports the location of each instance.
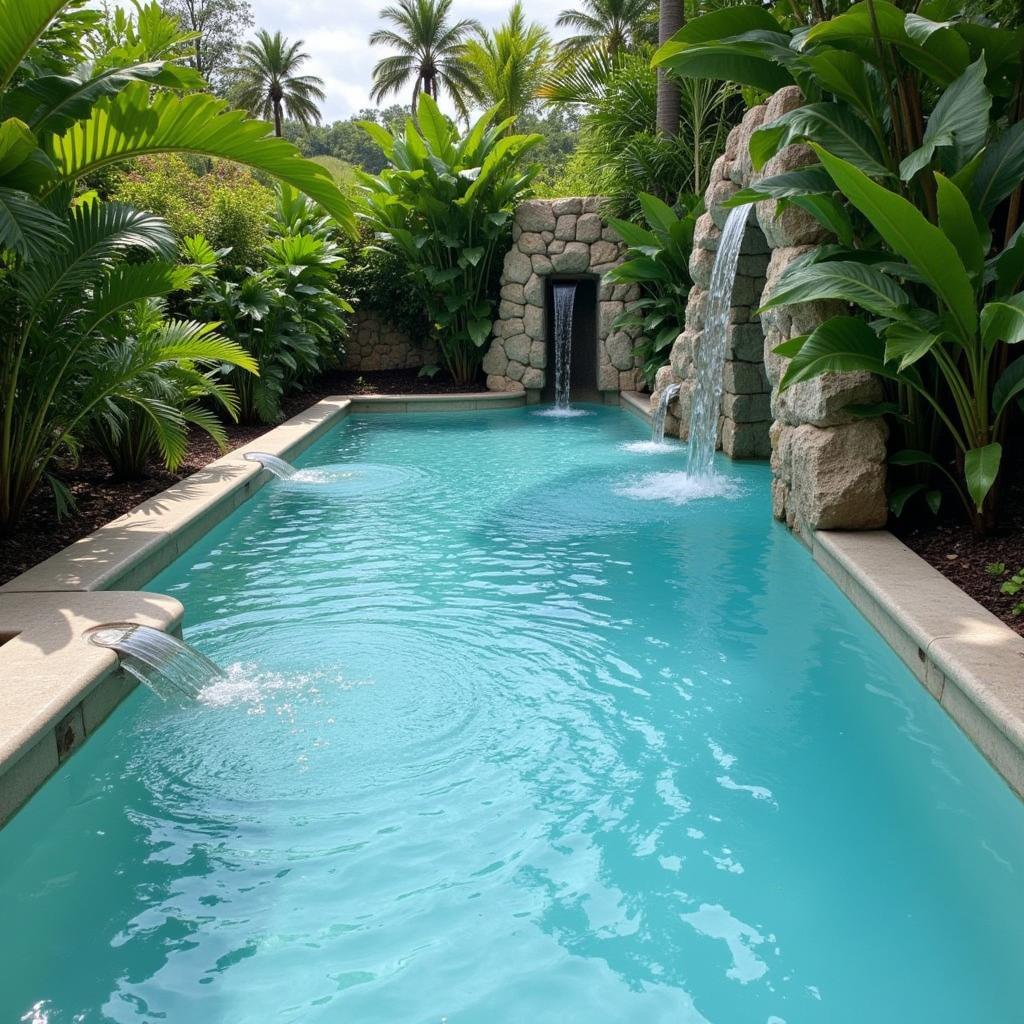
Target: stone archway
(564, 238)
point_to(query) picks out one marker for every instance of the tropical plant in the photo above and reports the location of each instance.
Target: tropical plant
(619, 140)
(145, 33)
(658, 260)
(965, 306)
(509, 64)
(917, 120)
(222, 202)
(430, 53)
(610, 25)
(175, 373)
(446, 201)
(66, 271)
(287, 315)
(267, 83)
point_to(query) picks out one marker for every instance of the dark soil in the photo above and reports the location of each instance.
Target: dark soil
(100, 498)
(963, 556)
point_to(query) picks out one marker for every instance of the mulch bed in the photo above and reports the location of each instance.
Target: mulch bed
(100, 498)
(962, 556)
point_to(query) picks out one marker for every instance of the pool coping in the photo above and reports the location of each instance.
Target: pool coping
(969, 661)
(57, 687)
(638, 403)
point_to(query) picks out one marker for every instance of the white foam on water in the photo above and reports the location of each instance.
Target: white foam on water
(651, 447)
(557, 413)
(246, 684)
(680, 488)
(320, 476)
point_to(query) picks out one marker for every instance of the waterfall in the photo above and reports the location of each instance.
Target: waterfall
(564, 297)
(281, 469)
(707, 395)
(164, 663)
(658, 422)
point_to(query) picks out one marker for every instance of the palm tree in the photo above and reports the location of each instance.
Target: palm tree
(610, 24)
(671, 16)
(510, 63)
(267, 84)
(431, 52)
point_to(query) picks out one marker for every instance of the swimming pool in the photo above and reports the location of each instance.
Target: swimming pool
(503, 742)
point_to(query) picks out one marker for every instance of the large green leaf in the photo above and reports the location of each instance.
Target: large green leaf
(16, 143)
(1009, 385)
(434, 127)
(52, 103)
(132, 123)
(956, 220)
(1000, 170)
(848, 281)
(1003, 320)
(841, 344)
(22, 22)
(633, 235)
(981, 467)
(907, 342)
(832, 125)
(959, 120)
(1008, 266)
(811, 180)
(845, 75)
(909, 233)
(829, 212)
(26, 228)
(742, 44)
(942, 56)
(657, 213)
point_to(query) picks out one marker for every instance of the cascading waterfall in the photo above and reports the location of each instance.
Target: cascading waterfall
(564, 298)
(281, 469)
(707, 395)
(167, 665)
(658, 422)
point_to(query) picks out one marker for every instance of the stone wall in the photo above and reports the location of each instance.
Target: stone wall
(564, 237)
(374, 343)
(828, 466)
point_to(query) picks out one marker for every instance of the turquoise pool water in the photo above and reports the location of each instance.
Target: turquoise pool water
(507, 745)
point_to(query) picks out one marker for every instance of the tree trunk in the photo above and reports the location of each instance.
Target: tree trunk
(670, 21)
(277, 118)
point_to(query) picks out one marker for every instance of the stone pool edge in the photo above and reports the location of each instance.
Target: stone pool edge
(57, 687)
(967, 659)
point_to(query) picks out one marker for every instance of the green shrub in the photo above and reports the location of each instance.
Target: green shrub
(219, 200)
(446, 202)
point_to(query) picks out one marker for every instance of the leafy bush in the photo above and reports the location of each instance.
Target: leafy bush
(377, 276)
(153, 409)
(658, 260)
(68, 272)
(226, 204)
(286, 315)
(446, 202)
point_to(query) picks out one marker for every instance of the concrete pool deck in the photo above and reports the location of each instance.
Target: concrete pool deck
(57, 687)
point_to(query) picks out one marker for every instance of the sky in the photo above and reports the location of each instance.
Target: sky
(336, 34)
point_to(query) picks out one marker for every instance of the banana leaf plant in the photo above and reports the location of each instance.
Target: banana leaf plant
(65, 274)
(446, 201)
(973, 307)
(658, 260)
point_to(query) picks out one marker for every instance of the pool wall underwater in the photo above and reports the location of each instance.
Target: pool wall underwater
(59, 688)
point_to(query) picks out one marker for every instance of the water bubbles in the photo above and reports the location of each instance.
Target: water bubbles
(680, 488)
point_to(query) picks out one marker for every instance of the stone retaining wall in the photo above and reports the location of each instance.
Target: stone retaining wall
(828, 466)
(374, 343)
(561, 237)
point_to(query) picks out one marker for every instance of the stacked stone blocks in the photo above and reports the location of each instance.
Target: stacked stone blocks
(828, 465)
(558, 237)
(374, 343)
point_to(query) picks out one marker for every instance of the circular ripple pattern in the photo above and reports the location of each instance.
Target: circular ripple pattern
(516, 733)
